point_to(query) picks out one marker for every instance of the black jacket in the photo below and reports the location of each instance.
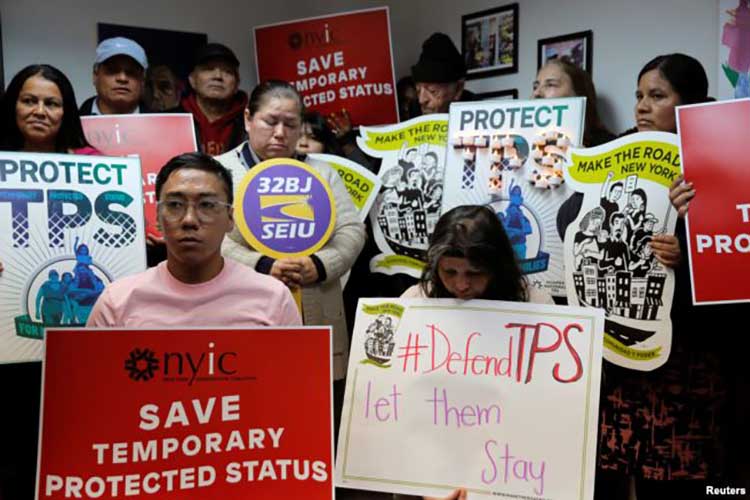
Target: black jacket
(88, 105)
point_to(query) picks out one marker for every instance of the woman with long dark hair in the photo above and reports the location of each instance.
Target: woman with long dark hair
(470, 257)
(39, 114)
(666, 424)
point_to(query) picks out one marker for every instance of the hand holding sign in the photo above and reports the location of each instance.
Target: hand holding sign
(286, 211)
(287, 271)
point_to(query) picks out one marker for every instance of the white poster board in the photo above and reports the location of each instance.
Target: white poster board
(609, 263)
(498, 397)
(510, 155)
(69, 225)
(408, 206)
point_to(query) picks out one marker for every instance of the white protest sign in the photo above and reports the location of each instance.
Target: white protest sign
(408, 205)
(69, 226)
(498, 397)
(609, 262)
(510, 155)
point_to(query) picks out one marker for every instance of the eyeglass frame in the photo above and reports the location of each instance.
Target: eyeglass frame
(201, 217)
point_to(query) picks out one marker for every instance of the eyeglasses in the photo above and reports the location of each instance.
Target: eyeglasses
(206, 210)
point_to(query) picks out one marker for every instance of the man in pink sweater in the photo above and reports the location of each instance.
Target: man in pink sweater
(195, 286)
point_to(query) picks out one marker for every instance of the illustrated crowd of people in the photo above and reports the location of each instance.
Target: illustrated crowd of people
(204, 273)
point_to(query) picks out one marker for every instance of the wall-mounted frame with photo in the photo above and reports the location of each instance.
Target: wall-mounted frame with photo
(489, 41)
(509, 94)
(577, 47)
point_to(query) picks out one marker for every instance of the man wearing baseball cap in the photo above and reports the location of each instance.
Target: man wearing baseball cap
(119, 70)
(216, 102)
(439, 75)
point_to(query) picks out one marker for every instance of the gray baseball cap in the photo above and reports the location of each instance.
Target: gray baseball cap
(120, 46)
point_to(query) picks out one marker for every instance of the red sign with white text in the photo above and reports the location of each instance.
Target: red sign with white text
(713, 146)
(336, 62)
(185, 414)
(156, 138)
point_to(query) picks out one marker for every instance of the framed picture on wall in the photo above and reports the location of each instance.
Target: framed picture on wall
(577, 47)
(498, 94)
(489, 41)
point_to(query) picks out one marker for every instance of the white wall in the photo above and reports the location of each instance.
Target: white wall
(63, 32)
(627, 33)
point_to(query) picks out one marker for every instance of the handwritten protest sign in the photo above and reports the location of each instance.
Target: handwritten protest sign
(155, 138)
(186, 414)
(408, 205)
(69, 225)
(608, 260)
(510, 155)
(712, 139)
(340, 61)
(499, 397)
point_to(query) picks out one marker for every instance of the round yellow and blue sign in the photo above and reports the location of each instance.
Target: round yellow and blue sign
(284, 208)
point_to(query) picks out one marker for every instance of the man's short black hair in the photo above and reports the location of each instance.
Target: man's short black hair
(198, 161)
(616, 184)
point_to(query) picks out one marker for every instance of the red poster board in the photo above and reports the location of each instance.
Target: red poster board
(127, 408)
(156, 138)
(335, 62)
(713, 147)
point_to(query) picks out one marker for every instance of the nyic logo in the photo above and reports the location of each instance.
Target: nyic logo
(312, 39)
(142, 364)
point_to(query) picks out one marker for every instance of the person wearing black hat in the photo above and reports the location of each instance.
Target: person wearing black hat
(216, 102)
(439, 75)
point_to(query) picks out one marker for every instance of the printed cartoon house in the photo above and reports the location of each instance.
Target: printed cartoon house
(654, 291)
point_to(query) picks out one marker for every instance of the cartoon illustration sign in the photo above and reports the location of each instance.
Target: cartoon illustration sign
(363, 186)
(339, 61)
(186, 414)
(718, 223)
(155, 138)
(284, 208)
(510, 155)
(69, 225)
(608, 260)
(498, 397)
(408, 205)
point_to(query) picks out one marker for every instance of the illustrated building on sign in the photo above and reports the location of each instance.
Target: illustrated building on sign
(388, 222)
(622, 293)
(420, 225)
(590, 275)
(601, 288)
(654, 291)
(610, 281)
(578, 283)
(637, 296)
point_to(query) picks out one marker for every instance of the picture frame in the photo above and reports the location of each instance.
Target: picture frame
(489, 42)
(578, 47)
(509, 94)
